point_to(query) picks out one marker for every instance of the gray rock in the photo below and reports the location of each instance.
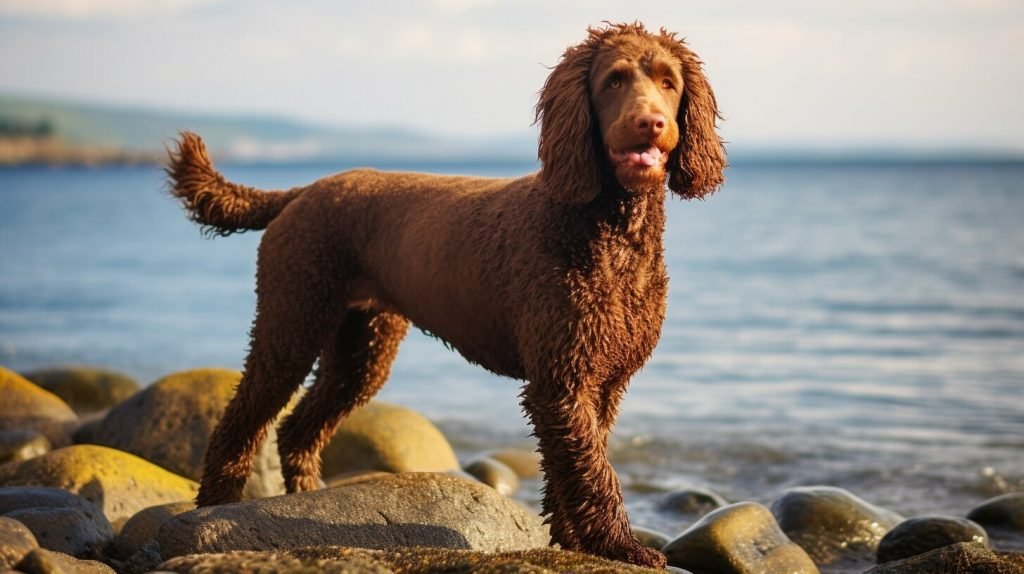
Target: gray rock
(412, 509)
(494, 474)
(961, 558)
(923, 533)
(741, 538)
(143, 526)
(60, 520)
(170, 423)
(697, 501)
(17, 445)
(42, 561)
(85, 389)
(15, 542)
(832, 524)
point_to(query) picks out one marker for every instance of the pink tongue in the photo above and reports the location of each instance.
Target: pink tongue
(648, 158)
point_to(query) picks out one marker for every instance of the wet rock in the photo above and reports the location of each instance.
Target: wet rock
(961, 558)
(383, 436)
(336, 560)
(525, 463)
(413, 509)
(651, 538)
(741, 538)
(920, 534)
(143, 526)
(119, 483)
(494, 474)
(42, 561)
(85, 389)
(170, 423)
(697, 501)
(26, 406)
(15, 542)
(832, 524)
(1005, 512)
(60, 521)
(17, 445)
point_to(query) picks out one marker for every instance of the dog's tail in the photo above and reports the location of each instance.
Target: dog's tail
(221, 207)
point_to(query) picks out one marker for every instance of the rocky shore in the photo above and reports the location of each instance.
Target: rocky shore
(98, 474)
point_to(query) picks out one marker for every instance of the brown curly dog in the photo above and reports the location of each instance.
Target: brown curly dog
(556, 277)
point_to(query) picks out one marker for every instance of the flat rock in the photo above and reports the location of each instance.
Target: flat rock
(741, 538)
(21, 444)
(412, 509)
(85, 389)
(26, 406)
(920, 534)
(119, 483)
(42, 561)
(383, 436)
(60, 520)
(16, 541)
(961, 558)
(833, 524)
(334, 559)
(170, 422)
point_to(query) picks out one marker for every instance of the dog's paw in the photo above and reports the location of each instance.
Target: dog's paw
(638, 554)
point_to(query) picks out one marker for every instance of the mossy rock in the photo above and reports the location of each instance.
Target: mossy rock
(415, 560)
(387, 437)
(170, 422)
(119, 483)
(26, 406)
(85, 389)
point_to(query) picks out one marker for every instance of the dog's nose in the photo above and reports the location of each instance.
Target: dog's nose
(650, 124)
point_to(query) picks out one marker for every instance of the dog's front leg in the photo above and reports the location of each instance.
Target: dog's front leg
(582, 495)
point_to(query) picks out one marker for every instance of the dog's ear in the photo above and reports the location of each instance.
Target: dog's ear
(569, 167)
(697, 165)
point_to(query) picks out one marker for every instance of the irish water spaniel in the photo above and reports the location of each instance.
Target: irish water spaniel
(556, 278)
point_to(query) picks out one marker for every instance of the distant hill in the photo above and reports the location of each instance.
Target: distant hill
(250, 138)
(43, 130)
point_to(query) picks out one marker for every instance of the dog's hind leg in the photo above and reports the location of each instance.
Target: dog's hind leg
(354, 365)
(297, 305)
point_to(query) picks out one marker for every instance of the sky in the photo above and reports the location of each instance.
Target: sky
(829, 73)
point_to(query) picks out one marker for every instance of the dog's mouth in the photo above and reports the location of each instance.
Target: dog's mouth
(643, 157)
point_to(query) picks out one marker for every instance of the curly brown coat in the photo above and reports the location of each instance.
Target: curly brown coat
(557, 277)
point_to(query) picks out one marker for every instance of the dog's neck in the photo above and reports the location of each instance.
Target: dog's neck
(620, 228)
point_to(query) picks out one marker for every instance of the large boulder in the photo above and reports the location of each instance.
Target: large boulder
(170, 423)
(85, 389)
(741, 538)
(383, 436)
(60, 521)
(412, 509)
(832, 524)
(26, 406)
(338, 560)
(119, 483)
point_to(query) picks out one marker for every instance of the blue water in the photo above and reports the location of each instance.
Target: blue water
(861, 326)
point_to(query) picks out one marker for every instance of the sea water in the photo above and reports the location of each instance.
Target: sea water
(852, 325)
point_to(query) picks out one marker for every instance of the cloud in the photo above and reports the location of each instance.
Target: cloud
(95, 9)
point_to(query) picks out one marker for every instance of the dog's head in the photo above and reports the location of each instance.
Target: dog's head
(631, 105)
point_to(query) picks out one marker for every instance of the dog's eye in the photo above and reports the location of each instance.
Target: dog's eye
(667, 85)
(615, 83)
